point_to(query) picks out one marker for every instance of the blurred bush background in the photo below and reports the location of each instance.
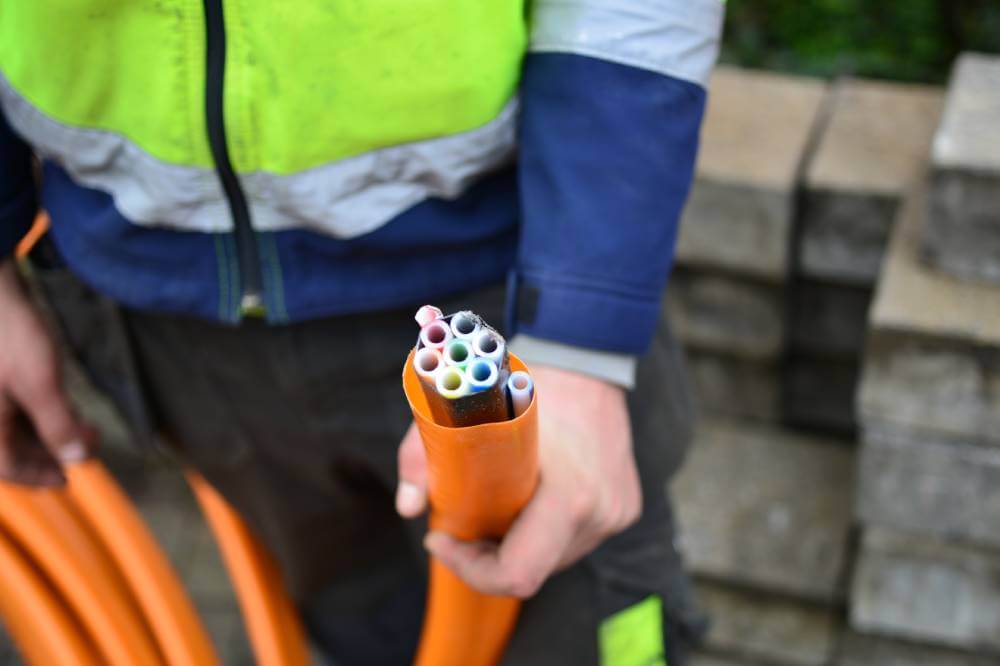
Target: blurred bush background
(905, 40)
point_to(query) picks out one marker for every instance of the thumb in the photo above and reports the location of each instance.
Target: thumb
(411, 495)
(67, 438)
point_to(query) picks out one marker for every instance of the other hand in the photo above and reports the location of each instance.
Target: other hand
(38, 429)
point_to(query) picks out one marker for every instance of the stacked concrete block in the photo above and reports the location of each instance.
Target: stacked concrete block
(727, 296)
(857, 649)
(920, 588)
(753, 626)
(875, 141)
(962, 236)
(733, 330)
(765, 518)
(929, 469)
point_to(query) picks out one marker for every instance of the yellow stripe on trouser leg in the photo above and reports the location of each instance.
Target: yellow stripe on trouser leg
(634, 636)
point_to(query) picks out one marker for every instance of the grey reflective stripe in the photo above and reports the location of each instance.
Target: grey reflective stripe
(607, 366)
(679, 38)
(357, 195)
(346, 198)
(146, 190)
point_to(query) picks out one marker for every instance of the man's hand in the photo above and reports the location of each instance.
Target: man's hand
(31, 396)
(588, 491)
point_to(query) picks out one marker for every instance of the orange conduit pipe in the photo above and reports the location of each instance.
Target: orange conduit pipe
(35, 233)
(271, 620)
(37, 620)
(45, 524)
(168, 609)
(479, 479)
(110, 515)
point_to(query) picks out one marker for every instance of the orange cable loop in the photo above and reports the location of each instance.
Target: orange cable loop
(35, 233)
(164, 601)
(38, 621)
(45, 524)
(272, 622)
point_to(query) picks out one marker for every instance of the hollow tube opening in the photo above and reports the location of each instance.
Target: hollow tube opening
(481, 372)
(458, 353)
(464, 324)
(452, 380)
(428, 361)
(487, 343)
(436, 333)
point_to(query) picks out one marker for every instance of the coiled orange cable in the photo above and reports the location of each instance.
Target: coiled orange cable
(40, 624)
(44, 522)
(164, 602)
(272, 622)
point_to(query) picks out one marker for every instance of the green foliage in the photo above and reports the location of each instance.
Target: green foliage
(910, 40)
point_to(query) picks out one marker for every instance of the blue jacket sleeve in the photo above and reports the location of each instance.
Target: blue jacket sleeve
(18, 197)
(612, 100)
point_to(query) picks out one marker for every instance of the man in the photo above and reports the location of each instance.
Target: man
(249, 200)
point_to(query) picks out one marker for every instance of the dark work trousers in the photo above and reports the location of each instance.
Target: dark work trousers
(298, 427)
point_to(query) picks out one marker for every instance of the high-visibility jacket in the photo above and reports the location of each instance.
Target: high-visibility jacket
(304, 159)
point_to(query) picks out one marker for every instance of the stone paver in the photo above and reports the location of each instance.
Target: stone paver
(756, 130)
(963, 234)
(757, 626)
(933, 357)
(705, 658)
(819, 393)
(923, 589)
(874, 144)
(829, 319)
(766, 508)
(916, 299)
(725, 314)
(859, 649)
(941, 488)
(734, 387)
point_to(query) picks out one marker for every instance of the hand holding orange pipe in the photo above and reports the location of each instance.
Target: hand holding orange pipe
(479, 479)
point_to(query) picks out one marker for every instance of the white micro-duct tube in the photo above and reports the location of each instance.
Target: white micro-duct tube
(427, 362)
(458, 353)
(451, 383)
(465, 325)
(427, 314)
(482, 374)
(520, 388)
(436, 334)
(489, 345)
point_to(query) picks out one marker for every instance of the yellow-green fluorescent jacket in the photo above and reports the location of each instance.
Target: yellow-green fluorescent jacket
(303, 159)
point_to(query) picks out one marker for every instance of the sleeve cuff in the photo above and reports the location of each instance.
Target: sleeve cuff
(582, 315)
(16, 217)
(611, 367)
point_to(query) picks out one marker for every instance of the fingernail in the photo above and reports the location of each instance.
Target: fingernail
(408, 498)
(73, 452)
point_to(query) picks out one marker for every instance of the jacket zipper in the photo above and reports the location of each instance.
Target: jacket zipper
(251, 298)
